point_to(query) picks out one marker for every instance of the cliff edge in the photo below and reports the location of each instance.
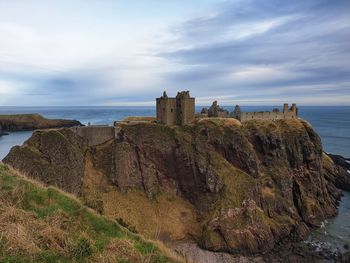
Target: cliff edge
(229, 187)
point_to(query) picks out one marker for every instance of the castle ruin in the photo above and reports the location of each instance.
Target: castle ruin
(215, 111)
(175, 111)
(179, 111)
(275, 114)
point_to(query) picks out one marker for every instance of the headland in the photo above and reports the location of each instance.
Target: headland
(243, 187)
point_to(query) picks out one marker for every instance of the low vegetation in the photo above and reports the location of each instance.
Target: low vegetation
(39, 224)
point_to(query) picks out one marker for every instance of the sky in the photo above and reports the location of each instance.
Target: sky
(118, 53)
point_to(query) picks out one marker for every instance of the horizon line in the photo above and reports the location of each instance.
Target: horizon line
(201, 105)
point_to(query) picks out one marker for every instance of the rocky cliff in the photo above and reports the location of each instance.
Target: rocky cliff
(28, 122)
(229, 187)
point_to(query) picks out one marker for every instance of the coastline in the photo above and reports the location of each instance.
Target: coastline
(323, 253)
(132, 133)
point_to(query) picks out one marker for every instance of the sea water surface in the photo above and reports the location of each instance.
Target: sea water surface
(331, 123)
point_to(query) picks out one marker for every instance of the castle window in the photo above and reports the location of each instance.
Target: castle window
(164, 109)
(172, 110)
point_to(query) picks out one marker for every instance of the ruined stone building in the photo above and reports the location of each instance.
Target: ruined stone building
(175, 111)
(287, 113)
(216, 111)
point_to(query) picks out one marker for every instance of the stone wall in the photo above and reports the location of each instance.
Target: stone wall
(95, 135)
(267, 115)
(291, 113)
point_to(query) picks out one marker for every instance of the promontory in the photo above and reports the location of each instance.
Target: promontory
(240, 185)
(28, 122)
(227, 186)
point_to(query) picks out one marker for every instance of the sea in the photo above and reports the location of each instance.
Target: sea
(332, 123)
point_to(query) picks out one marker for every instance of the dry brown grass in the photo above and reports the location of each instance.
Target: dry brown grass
(166, 214)
(55, 231)
(16, 233)
(23, 233)
(35, 229)
(123, 248)
(139, 118)
(225, 122)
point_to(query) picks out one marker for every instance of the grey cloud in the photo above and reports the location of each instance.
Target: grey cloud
(314, 43)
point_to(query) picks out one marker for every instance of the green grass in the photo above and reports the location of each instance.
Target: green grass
(61, 229)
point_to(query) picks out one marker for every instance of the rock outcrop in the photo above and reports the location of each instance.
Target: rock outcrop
(53, 157)
(215, 111)
(343, 171)
(28, 122)
(230, 187)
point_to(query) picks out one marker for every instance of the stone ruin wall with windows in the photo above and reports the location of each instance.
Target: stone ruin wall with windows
(287, 113)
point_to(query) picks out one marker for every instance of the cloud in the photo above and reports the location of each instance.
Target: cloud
(241, 51)
(253, 48)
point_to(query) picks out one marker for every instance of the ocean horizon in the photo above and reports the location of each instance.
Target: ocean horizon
(332, 123)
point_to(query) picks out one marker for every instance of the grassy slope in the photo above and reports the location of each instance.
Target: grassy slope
(39, 224)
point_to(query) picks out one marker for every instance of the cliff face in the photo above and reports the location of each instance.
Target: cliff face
(53, 157)
(28, 122)
(230, 187)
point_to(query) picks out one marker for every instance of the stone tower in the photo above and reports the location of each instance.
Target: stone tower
(176, 111)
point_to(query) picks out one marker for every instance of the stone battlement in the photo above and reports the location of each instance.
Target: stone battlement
(287, 113)
(216, 111)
